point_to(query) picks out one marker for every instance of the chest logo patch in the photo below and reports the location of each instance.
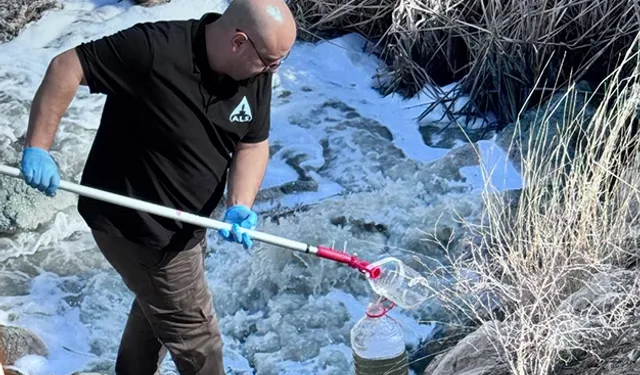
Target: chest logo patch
(242, 113)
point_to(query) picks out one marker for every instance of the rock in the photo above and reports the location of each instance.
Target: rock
(601, 305)
(601, 293)
(450, 136)
(292, 187)
(13, 371)
(304, 183)
(150, 3)
(448, 166)
(617, 356)
(515, 138)
(474, 355)
(359, 225)
(17, 342)
(590, 308)
(25, 208)
(444, 337)
(15, 14)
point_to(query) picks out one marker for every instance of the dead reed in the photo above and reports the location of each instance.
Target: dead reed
(496, 50)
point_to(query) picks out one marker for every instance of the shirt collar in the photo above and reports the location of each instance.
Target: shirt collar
(199, 51)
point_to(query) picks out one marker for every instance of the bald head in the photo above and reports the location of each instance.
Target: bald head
(267, 26)
(258, 14)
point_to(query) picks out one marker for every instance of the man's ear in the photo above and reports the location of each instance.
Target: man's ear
(238, 39)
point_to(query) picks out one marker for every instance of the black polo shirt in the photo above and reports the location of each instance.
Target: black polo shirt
(168, 129)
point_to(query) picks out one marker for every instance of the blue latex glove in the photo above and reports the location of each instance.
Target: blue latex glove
(239, 216)
(40, 171)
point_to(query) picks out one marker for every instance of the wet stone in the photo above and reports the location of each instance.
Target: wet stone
(16, 14)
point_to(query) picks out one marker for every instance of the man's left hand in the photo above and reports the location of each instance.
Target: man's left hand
(239, 216)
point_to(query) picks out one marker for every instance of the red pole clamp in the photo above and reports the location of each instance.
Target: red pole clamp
(351, 260)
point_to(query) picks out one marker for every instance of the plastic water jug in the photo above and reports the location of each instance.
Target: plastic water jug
(377, 343)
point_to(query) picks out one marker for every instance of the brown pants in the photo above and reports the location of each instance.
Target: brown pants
(172, 311)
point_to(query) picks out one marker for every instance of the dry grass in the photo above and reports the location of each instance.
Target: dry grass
(576, 224)
(318, 19)
(497, 50)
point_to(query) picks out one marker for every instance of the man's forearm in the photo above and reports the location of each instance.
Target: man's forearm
(52, 99)
(246, 173)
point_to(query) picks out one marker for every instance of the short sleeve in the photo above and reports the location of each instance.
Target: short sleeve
(119, 63)
(259, 130)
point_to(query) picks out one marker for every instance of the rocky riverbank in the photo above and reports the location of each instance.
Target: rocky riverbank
(482, 351)
(16, 14)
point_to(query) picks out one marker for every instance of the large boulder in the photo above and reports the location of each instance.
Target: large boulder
(598, 327)
(18, 342)
(25, 208)
(15, 14)
(607, 304)
(476, 354)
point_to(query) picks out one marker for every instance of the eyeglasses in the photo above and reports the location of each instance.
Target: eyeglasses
(267, 66)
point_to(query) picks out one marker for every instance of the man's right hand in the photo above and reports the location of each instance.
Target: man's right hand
(40, 171)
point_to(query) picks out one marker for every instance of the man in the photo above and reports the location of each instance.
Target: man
(187, 103)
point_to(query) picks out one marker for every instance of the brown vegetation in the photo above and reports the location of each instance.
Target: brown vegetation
(500, 51)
